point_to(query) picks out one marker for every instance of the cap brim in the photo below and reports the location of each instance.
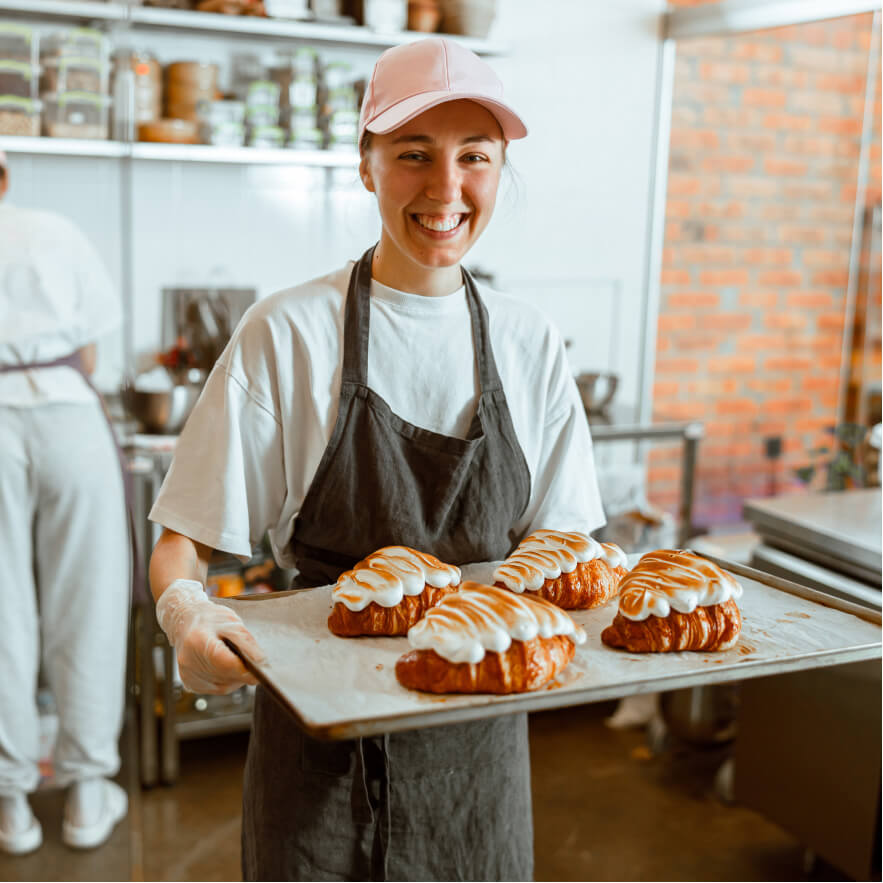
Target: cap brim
(399, 114)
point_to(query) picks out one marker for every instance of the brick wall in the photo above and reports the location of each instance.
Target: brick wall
(765, 141)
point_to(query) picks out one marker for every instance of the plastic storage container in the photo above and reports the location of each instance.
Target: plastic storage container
(258, 115)
(18, 42)
(74, 73)
(76, 42)
(19, 78)
(19, 116)
(267, 136)
(76, 115)
(223, 134)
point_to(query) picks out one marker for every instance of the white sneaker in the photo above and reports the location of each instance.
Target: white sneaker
(92, 810)
(20, 832)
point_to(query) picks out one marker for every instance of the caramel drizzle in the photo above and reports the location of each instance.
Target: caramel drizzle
(674, 577)
(546, 554)
(392, 567)
(477, 609)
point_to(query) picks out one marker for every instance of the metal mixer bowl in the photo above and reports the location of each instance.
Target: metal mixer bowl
(161, 412)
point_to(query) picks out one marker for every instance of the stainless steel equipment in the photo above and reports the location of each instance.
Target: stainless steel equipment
(202, 319)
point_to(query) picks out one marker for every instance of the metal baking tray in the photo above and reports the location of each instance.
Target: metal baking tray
(340, 688)
(839, 529)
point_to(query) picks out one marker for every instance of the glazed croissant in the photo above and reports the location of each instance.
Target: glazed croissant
(707, 628)
(592, 584)
(377, 620)
(568, 568)
(526, 665)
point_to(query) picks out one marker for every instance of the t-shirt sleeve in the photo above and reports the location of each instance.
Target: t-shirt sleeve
(226, 485)
(564, 486)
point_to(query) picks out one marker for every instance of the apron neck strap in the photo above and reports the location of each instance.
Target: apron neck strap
(357, 318)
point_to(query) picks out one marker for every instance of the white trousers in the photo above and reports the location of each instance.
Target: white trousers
(64, 590)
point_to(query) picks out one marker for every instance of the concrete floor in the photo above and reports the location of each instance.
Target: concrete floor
(605, 808)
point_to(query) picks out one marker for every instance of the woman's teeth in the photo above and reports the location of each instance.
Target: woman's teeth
(440, 225)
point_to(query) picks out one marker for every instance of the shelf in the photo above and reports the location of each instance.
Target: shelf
(195, 725)
(207, 153)
(152, 17)
(62, 146)
(200, 153)
(71, 10)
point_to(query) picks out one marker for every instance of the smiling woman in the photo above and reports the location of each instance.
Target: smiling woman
(390, 402)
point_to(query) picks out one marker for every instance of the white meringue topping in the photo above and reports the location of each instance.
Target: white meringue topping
(478, 618)
(390, 573)
(546, 554)
(673, 579)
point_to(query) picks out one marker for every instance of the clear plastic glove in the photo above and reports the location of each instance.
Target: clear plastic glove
(195, 627)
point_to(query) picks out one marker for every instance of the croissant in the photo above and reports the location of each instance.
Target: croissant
(378, 620)
(715, 627)
(592, 584)
(526, 665)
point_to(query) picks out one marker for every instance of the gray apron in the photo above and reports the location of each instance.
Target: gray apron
(444, 803)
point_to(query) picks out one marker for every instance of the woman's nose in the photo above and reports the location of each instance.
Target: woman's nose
(444, 183)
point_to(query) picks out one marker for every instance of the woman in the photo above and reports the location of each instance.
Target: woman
(388, 402)
(64, 562)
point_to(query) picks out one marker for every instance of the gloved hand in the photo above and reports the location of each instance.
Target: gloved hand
(195, 626)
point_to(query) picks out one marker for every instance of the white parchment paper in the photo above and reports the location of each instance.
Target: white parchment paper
(346, 687)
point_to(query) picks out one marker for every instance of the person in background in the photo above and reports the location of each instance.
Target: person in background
(64, 546)
(389, 402)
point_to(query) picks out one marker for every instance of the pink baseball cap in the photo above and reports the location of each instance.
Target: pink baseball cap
(410, 79)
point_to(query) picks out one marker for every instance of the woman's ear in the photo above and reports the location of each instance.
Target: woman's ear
(365, 173)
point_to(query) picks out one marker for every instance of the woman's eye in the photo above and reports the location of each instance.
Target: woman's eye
(475, 157)
(412, 155)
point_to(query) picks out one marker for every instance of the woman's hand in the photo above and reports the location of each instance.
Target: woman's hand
(196, 627)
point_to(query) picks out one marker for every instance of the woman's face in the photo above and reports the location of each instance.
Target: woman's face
(436, 179)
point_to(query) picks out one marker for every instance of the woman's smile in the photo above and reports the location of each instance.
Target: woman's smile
(441, 226)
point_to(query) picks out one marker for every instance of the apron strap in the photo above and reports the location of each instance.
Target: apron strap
(484, 353)
(75, 360)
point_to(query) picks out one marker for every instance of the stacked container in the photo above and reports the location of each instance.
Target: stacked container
(19, 80)
(75, 83)
(340, 106)
(262, 113)
(299, 78)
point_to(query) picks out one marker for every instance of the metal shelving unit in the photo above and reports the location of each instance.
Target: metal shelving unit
(148, 17)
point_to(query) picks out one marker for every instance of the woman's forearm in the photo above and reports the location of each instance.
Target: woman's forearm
(177, 557)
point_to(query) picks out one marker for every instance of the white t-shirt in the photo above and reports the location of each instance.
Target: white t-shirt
(55, 297)
(247, 455)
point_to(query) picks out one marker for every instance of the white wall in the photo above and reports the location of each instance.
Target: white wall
(571, 235)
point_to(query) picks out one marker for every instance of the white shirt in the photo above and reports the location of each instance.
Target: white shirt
(248, 453)
(55, 297)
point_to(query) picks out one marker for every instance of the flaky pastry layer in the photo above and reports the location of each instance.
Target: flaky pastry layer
(526, 665)
(378, 620)
(591, 584)
(716, 627)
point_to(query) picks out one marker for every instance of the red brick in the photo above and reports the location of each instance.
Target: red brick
(809, 145)
(723, 277)
(834, 278)
(793, 364)
(730, 209)
(692, 299)
(728, 322)
(721, 116)
(743, 233)
(744, 163)
(712, 388)
(665, 389)
(817, 103)
(837, 82)
(809, 300)
(674, 277)
(703, 93)
(732, 364)
(789, 321)
(775, 257)
(782, 212)
(812, 423)
(791, 405)
(780, 76)
(659, 474)
(788, 122)
(767, 385)
(764, 51)
(808, 189)
(803, 235)
(694, 342)
(726, 73)
(780, 277)
(748, 186)
(676, 322)
(754, 97)
(840, 125)
(820, 384)
(742, 406)
(759, 342)
(757, 142)
(694, 139)
(831, 322)
(814, 257)
(678, 366)
(678, 208)
(784, 167)
(683, 185)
